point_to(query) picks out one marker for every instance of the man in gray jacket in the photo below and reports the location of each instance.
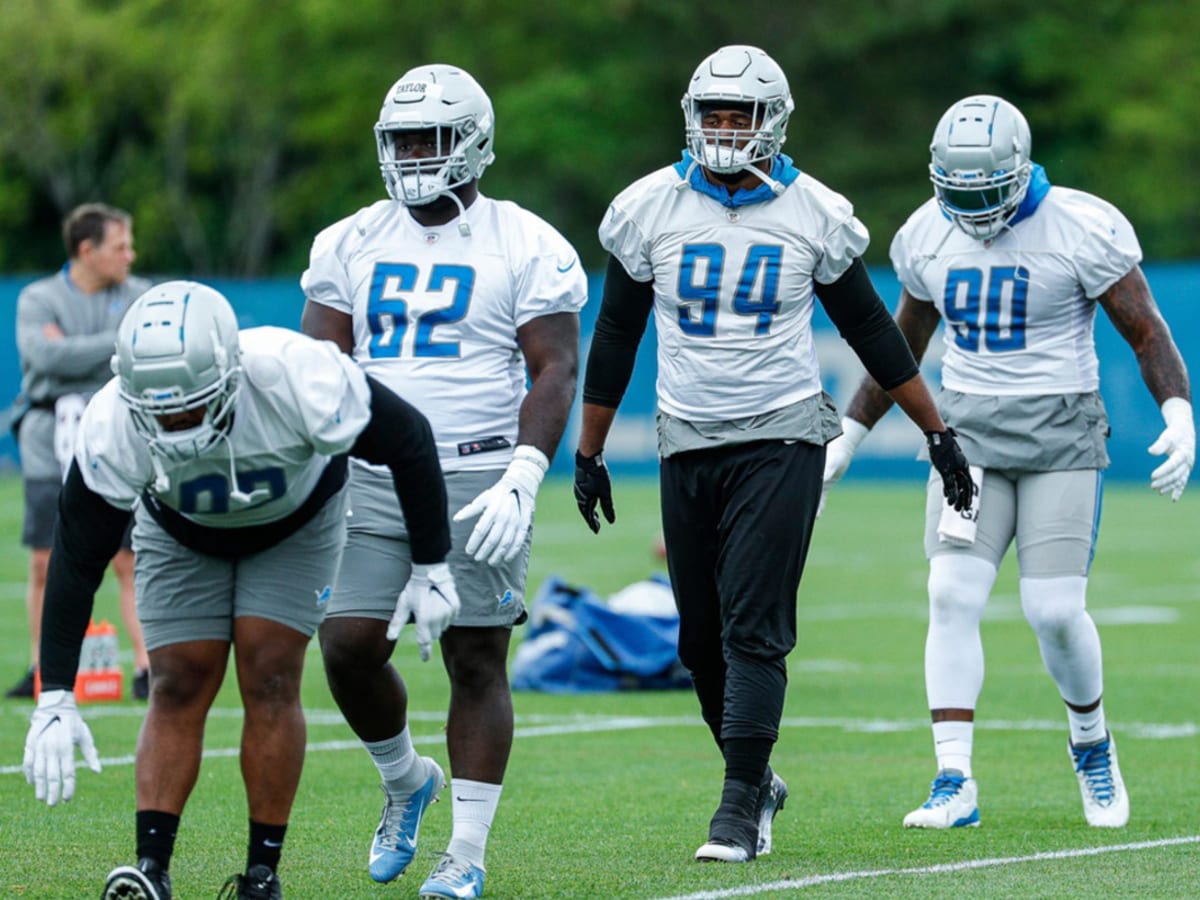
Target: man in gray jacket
(66, 331)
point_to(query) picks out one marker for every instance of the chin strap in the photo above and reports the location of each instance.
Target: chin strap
(235, 492)
(776, 187)
(687, 175)
(162, 483)
(463, 228)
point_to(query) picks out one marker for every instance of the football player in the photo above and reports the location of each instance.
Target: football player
(728, 248)
(233, 449)
(66, 325)
(1016, 268)
(448, 297)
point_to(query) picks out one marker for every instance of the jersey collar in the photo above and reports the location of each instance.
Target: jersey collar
(1039, 187)
(782, 171)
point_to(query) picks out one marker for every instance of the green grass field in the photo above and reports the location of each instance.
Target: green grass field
(607, 796)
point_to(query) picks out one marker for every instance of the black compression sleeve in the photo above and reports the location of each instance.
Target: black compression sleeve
(399, 437)
(87, 535)
(624, 309)
(866, 325)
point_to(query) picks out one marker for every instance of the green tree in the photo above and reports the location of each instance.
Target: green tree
(234, 130)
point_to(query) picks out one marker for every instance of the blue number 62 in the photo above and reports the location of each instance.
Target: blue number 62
(387, 308)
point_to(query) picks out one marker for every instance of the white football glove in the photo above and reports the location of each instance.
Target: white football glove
(505, 509)
(838, 454)
(431, 600)
(55, 730)
(1178, 442)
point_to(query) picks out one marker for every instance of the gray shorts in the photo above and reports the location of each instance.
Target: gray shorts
(1054, 517)
(1046, 433)
(41, 509)
(183, 595)
(377, 560)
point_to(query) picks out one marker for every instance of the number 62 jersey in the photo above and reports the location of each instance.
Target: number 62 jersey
(1019, 310)
(435, 312)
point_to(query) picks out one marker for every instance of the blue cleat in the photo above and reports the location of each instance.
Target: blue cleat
(395, 841)
(454, 879)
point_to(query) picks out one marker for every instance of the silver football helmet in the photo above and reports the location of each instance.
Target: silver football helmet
(450, 100)
(177, 350)
(980, 164)
(745, 76)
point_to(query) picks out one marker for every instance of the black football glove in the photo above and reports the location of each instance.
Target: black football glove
(591, 487)
(947, 457)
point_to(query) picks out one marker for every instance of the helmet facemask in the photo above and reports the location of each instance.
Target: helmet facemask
(450, 103)
(731, 150)
(739, 78)
(980, 166)
(179, 445)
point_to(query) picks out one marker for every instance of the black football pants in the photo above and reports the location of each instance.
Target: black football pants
(737, 521)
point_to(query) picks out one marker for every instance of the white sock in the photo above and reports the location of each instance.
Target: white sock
(1087, 727)
(475, 805)
(396, 760)
(953, 742)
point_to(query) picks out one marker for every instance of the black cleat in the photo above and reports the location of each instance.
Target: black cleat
(259, 883)
(145, 881)
(23, 688)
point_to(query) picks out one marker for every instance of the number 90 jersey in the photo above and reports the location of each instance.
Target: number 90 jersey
(733, 288)
(1019, 310)
(435, 312)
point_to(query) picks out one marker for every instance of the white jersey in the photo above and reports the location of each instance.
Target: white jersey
(435, 313)
(1019, 312)
(733, 288)
(300, 402)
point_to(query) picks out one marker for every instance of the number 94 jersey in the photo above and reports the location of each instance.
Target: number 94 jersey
(1019, 311)
(435, 312)
(733, 288)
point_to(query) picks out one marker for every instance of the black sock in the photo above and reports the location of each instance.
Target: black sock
(156, 835)
(734, 820)
(266, 844)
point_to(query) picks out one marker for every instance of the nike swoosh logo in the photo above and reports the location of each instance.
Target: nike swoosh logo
(567, 268)
(267, 843)
(46, 728)
(471, 799)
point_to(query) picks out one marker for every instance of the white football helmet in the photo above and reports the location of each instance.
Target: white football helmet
(742, 75)
(450, 100)
(177, 350)
(980, 164)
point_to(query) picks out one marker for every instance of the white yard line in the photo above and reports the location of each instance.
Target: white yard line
(544, 726)
(794, 884)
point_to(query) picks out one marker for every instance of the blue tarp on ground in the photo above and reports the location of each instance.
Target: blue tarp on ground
(577, 643)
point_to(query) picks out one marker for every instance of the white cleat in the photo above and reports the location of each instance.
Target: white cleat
(953, 803)
(720, 851)
(771, 798)
(1105, 802)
